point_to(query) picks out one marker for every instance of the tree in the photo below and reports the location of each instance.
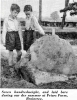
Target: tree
(55, 16)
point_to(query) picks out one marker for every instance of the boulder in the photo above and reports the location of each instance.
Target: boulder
(51, 52)
(49, 59)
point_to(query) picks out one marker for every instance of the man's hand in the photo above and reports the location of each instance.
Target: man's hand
(3, 42)
(43, 33)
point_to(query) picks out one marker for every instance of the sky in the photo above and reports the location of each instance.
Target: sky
(48, 6)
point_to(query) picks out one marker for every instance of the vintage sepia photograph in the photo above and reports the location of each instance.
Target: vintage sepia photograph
(38, 44)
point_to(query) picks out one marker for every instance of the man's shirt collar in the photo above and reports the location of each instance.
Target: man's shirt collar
(11, 18)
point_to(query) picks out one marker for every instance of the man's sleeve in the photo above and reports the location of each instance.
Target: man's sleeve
(37, 26)
(4, 31)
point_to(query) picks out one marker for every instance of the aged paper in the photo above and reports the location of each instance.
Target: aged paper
(48, 69)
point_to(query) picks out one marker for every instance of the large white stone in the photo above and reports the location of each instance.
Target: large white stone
(51, 52)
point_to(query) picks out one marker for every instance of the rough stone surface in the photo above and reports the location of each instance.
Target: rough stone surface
(51, 52)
